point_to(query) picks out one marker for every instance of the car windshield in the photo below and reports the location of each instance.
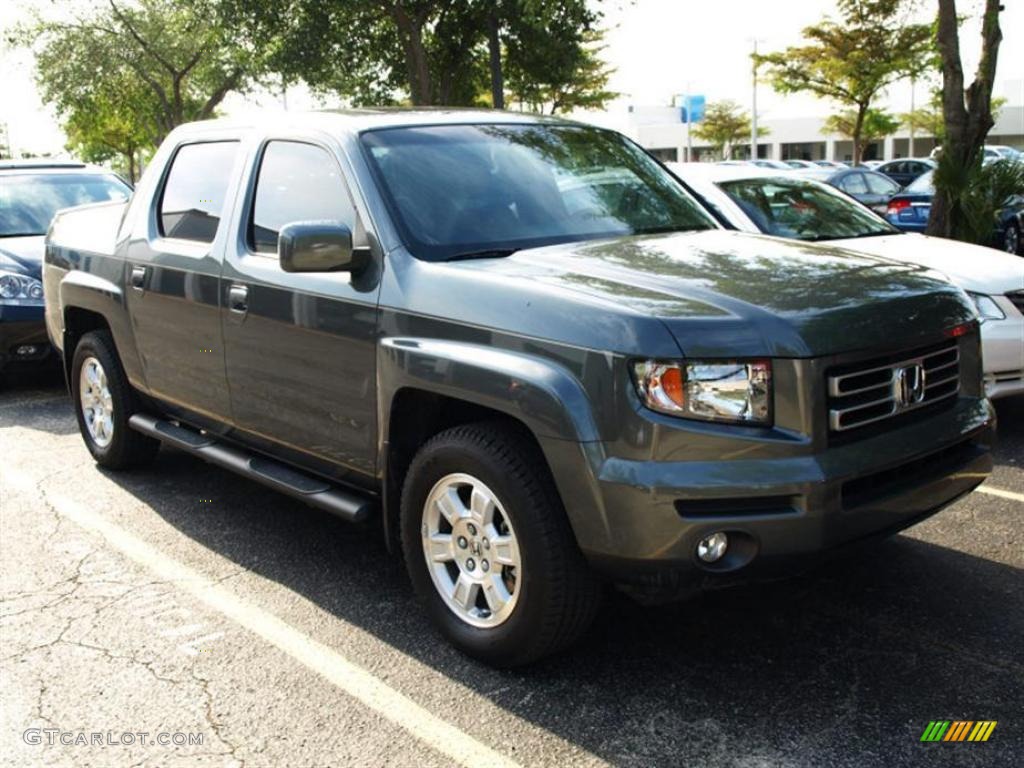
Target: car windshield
(922, 185)
(28, 201)
(459, 191)
(803, 210)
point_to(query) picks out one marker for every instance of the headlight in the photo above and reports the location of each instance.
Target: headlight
(19, 289)
(708, 390)
(987, 307)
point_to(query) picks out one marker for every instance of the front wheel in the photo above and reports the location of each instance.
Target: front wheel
(104, 401)
(489, 548)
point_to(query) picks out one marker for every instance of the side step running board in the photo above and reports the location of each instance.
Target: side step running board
(348, 505)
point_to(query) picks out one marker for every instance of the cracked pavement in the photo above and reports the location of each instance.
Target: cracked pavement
(841, 667)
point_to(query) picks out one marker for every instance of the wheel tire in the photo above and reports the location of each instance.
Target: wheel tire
(557, 595)
(124, 448)
(1012, 240)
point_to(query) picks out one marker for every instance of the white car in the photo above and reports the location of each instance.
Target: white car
(793, 206)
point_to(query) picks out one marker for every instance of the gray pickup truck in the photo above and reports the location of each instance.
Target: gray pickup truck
(522, 347)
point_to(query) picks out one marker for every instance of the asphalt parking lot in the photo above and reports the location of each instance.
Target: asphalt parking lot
(182, 600)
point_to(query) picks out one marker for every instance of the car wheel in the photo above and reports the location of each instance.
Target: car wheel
(1012, 239)
(489, 548)
(104, 400)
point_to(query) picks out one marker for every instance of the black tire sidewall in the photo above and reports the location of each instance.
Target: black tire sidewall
(509, 642)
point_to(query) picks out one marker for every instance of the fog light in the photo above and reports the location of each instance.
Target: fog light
(26, 350)
(712, 549)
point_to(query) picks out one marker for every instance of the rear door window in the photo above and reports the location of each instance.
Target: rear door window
(854, 184)
(881, 185)
(298, 182)
(192, 202)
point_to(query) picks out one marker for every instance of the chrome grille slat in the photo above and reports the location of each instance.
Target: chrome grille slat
(939, 368)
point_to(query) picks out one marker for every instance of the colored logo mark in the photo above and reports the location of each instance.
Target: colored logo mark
(959, 730)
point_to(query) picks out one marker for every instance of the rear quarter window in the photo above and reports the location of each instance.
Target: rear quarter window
(192, 201)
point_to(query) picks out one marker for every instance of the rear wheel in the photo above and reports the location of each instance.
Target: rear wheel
(489, 548)
(104, 400)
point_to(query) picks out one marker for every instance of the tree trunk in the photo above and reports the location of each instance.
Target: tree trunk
(966, 123)
(494, 47)
(858, 127)
(416, 64)
(132, 175)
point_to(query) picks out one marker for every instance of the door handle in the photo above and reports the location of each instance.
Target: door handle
(238, 299)
(138, 278)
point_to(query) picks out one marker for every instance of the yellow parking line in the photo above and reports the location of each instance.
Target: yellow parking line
(326, 662)
(1000, 493)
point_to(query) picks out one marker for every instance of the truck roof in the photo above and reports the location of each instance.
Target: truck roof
(356, 120)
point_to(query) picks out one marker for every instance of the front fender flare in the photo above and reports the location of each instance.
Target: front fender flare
(540, 393)
(543, 395)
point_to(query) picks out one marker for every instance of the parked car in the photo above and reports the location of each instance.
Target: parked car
(523, 347)
(910, 209)
(872, 189)
(831, 164)
(31, 192)
(802, 209)
(990, 152)
(777, 165)
(802, 164)
(905, 171)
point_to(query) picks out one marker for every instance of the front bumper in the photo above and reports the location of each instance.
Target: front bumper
(1002, 349)
(783, 510)
(22, 328)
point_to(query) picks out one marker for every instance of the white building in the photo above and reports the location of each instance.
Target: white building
(660, 130)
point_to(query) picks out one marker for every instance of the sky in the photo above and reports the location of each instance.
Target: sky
(658, 48)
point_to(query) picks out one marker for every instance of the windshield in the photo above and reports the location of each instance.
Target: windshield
(802, 210)
(29, 201)
(464, 190)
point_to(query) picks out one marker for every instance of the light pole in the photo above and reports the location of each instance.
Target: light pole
(913, 117)
(753, 112)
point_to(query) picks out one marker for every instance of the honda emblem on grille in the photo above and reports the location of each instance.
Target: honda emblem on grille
(909, 385)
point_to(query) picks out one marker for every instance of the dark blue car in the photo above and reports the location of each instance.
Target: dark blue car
(31, 192)
(909, 211)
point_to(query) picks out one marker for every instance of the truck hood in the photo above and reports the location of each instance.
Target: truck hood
(724, 293)
(972, 267)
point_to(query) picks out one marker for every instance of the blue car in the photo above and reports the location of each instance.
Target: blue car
(909, 211)
(31, 192)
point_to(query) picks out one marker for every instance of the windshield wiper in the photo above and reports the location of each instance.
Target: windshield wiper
(877, 233)
(492, 253)
(670, 228)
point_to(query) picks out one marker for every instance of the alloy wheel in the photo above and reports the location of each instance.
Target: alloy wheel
(96, 403)
(471, 550)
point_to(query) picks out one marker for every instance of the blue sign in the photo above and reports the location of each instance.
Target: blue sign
(692, 110)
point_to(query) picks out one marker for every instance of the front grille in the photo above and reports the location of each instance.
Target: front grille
(1017, 297)
(880, 389)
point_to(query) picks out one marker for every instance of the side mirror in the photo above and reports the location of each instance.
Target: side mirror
(318, 246)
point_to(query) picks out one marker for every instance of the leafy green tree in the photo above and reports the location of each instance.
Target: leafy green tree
(874, 125)
(967, 116)
(427, 52)
(725, 124)
(851, 61)
(551, 81)
(158, 63)
(104, 128)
